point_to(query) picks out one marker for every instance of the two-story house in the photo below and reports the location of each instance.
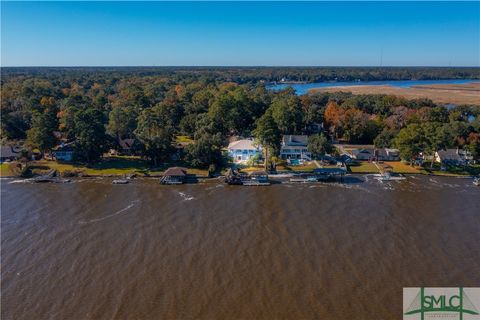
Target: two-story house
(243, 150)
(295, 147)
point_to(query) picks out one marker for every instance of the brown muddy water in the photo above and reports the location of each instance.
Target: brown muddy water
(93, 250)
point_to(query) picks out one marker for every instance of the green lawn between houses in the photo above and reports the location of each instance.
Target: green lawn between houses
(113, 166)
(281, 166)
(122, 165)
(363, 167)
(401, 167)
(5, 170)
(471, 170)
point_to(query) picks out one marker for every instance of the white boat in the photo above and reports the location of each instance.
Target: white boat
(120, 181)
(51, 180)
(308, 179)
(255, 183)
(258, 178)
(387, 176)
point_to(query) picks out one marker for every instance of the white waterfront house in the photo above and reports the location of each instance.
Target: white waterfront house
(295, 147)
(243, 150)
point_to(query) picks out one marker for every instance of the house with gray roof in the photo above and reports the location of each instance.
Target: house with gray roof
(454, 157)
(295, 147)
(379, 154)
(363, 154)
(9, 153)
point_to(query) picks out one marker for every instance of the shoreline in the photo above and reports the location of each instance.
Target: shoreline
(68, 171)
(467, 93)
(275, 177)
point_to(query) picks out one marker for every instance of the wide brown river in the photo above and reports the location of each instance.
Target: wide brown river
(93, 250)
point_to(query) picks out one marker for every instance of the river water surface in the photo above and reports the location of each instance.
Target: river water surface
(93, 250)
(302, 88)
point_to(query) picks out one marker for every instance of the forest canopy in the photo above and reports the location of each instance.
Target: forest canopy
(97, 107)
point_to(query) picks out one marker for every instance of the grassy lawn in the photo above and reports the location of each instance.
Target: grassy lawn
(5, 170)
(400, 167)
(183, 139)
(363, 167)
(472, 170)
(252, 168)
(114, 166)
(108, 166)
(306, 166)
(281, 166)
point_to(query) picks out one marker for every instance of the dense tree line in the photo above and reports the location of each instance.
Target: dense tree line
(250, 74)
(412, 126)
(96, 107)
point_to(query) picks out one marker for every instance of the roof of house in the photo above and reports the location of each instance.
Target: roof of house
(293, 139)
(126, 143)
(392, 150)
(8, 152)
(57, 134)
(65, 147)
(245, 144)
(366, 151)
(386, 152)
(175, 171)
(449, 154)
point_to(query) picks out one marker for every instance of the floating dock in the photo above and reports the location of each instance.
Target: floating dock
(257, 178)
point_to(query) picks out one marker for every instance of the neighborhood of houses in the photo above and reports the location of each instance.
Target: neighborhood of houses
(294, 148)
(247, 153)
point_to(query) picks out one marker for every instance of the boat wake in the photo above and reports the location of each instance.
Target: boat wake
(215, 187)
(21, 181)
(185, 196)
(131, 205)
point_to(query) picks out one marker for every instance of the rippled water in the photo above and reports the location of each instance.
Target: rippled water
(93, 250)
(302, 88)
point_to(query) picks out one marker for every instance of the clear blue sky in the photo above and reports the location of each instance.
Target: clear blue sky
(240, 34)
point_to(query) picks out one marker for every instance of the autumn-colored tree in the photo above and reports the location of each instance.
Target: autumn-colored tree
(333, 117)
(47, 102)
(474, 144)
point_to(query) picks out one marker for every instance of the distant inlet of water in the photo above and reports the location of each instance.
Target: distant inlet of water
(302, 88)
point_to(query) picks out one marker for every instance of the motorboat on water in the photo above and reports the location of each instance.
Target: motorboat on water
(120, 181)
(476, 182)
(258, 178)
(387, 176)
(307, 179)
